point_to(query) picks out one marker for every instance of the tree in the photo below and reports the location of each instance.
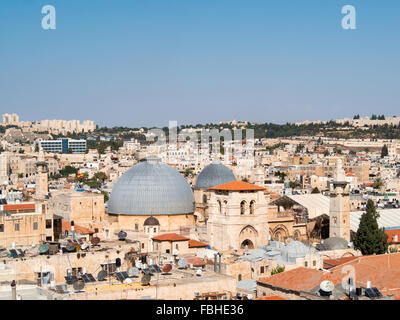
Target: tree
(68, 170)
(357, 116)
(100, 176)
(315, 190)
(101, 148)
(369, 238)
(188, 173)
(106, 196)
(278, 269)
(384, 151)
(299, 148)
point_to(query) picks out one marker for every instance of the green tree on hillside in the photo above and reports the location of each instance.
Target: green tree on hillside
(384, 151)
(370, 239)
(315, 190)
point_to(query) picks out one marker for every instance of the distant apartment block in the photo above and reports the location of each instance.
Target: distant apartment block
(63, 145)
(52, 126)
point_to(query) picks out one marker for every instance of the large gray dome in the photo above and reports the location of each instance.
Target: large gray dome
(151, 188)
(214, 175)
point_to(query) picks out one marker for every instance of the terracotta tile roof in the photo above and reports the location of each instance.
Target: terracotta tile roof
(197, 244)
(66, 225)
(237, 186)
(196, 261)
(170, 237)
(391, 233)
(330, 263)
(299, 279)
(20, 206)
(270, 298)
(382, 270)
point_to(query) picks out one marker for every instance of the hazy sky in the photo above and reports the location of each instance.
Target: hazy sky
(145, 62)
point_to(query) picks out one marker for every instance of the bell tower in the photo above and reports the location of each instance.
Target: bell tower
(339, 210)
(41, 177)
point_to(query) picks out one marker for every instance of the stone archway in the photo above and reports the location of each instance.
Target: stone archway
(247, 244)
(280, 233)
(248, 237)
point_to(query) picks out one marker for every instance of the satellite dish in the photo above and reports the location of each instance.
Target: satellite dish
(101, 275)
(249, 296)
(175, 252)
(78, 285)
(198, 273)
(138, 264)
(182, 263)
(84, 246)
(95, 241)
(146, 279)
(128, 280)
(134, 272)
(144, 266)
(122, 235)
(44, 248)
(167, 268)
(327, 286)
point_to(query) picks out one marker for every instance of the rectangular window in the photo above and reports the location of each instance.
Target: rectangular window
(1, 227)
(48, 223)
(262, 270)
(35, 226)
(314, 263)
(306, 264)
(16, 227)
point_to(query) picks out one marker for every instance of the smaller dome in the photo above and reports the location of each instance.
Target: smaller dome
(334, 243)
(151, 221)
(213, 175)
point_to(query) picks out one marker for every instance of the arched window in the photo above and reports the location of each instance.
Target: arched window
(243, 207)
(219, 206)
(204, 198)
(224, 207)
(252, 207)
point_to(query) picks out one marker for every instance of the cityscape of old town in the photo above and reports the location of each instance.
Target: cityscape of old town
(199, 157)
(92, 212)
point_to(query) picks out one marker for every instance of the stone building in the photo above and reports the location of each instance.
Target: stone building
(339, 210)
(150, 189)
(237, 216)
(212, 175)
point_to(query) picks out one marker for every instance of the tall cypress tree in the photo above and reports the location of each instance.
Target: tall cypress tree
(369, 238)
(384, 151)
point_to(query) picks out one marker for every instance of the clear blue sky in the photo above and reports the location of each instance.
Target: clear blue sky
(144, 62)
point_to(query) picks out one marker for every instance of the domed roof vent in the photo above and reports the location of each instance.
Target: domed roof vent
(214, 175)
(335, 243)
(151, 188)
(151, 221)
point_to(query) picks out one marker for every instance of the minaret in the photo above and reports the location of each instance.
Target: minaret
(339, 210)
(41, 177)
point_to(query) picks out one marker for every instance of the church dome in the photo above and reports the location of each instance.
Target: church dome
(334, 243)
(214, 175)
(151, 221)
(151, 188)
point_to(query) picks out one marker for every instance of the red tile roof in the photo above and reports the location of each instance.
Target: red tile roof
(197, 244)
(237, 186)
(196, 261)
(66, 225)
(170, 237)
(299, 279)
(21, 206)
(270, 298)
(391, 233)
(330, 263)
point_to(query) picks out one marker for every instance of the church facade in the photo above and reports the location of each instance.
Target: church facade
(237, 216)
